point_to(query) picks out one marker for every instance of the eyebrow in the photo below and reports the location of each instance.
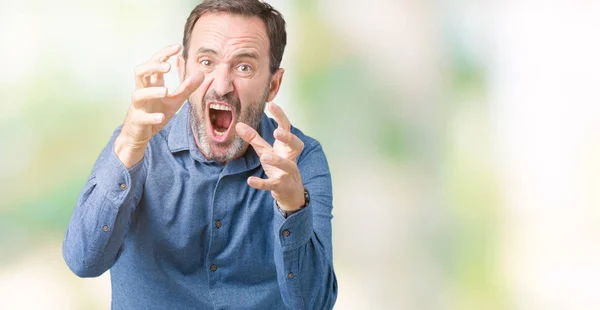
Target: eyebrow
(242, 54)
(205, 50)
(246, 54)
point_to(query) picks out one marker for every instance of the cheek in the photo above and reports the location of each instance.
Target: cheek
(250, 90)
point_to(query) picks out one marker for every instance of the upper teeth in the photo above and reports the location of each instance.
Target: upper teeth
(217, 106)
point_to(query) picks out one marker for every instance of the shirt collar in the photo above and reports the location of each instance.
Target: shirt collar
(180, 130)
(180, 138)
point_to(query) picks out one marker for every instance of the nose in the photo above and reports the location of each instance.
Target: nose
(222, 83)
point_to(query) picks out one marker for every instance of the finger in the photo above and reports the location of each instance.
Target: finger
(167, 52)
(289, 139)
(251, 136)
(274, 160)
(262, 184)
(139, 96)
(143, 118)
(280, 116)
(157, 80)
(145, 70)
(189, 85)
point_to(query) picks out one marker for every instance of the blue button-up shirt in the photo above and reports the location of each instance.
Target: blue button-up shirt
(179, 231)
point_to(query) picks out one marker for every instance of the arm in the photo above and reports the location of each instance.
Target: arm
(303, 247)
(303, 250)
(100, 220)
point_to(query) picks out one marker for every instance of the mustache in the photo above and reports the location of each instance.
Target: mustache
(228, 98)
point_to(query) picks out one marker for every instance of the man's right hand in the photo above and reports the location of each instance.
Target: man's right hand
(152, 107)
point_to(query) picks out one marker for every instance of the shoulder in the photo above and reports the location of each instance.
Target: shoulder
(313, 164)
(313, 153)
(160, 141)
(310, 144)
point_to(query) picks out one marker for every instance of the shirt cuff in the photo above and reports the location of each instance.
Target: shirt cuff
(115, 179)
(295, 230)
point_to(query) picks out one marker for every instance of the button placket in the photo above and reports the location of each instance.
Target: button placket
(216, 236)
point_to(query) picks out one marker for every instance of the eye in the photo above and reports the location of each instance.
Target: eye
(206, 62)
(244, 68)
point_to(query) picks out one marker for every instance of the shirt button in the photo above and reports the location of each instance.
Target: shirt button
(105, 228)
(286, 233)
(218, 224)
(213, 267)
(290, 275)
(123, 186)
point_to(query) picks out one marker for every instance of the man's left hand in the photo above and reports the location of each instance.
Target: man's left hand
(279, 161)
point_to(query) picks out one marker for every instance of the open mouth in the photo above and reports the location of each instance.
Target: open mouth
(220, 115)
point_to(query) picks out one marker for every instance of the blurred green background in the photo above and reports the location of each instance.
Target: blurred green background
(463, 138)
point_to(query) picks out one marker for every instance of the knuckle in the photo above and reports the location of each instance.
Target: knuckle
(135, 96)
(279, 160)
(260, 184)
(274, 185)
(147, 68)
(139, 70)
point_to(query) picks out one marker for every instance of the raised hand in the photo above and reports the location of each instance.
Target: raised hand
(279, 161)
(152, 106)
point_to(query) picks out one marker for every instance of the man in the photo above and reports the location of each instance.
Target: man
(216, 206)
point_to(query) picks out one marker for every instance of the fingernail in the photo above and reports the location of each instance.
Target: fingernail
(278, 133)
(266, 157)
(240, 128)
(165, 65)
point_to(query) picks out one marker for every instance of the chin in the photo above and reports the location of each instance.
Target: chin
(221, 151)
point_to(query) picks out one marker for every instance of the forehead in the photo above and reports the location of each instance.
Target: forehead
(226, 33)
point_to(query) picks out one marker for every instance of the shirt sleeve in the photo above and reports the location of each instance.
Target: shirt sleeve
(94, 238)
(303, 247)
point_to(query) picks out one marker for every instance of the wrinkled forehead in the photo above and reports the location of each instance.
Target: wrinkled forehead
(226, 34)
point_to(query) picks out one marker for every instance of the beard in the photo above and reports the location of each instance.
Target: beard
(234, 145)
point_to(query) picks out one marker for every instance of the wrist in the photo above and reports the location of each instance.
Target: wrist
(129, 152)
(297, 205)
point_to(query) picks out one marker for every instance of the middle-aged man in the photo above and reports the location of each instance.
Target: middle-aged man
(181, 209)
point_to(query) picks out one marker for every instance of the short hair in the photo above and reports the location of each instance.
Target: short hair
(273, 20)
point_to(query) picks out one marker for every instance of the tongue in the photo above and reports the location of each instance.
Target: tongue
(222, 120)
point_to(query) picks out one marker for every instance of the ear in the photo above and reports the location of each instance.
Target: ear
(181, 68)
(275, 84)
